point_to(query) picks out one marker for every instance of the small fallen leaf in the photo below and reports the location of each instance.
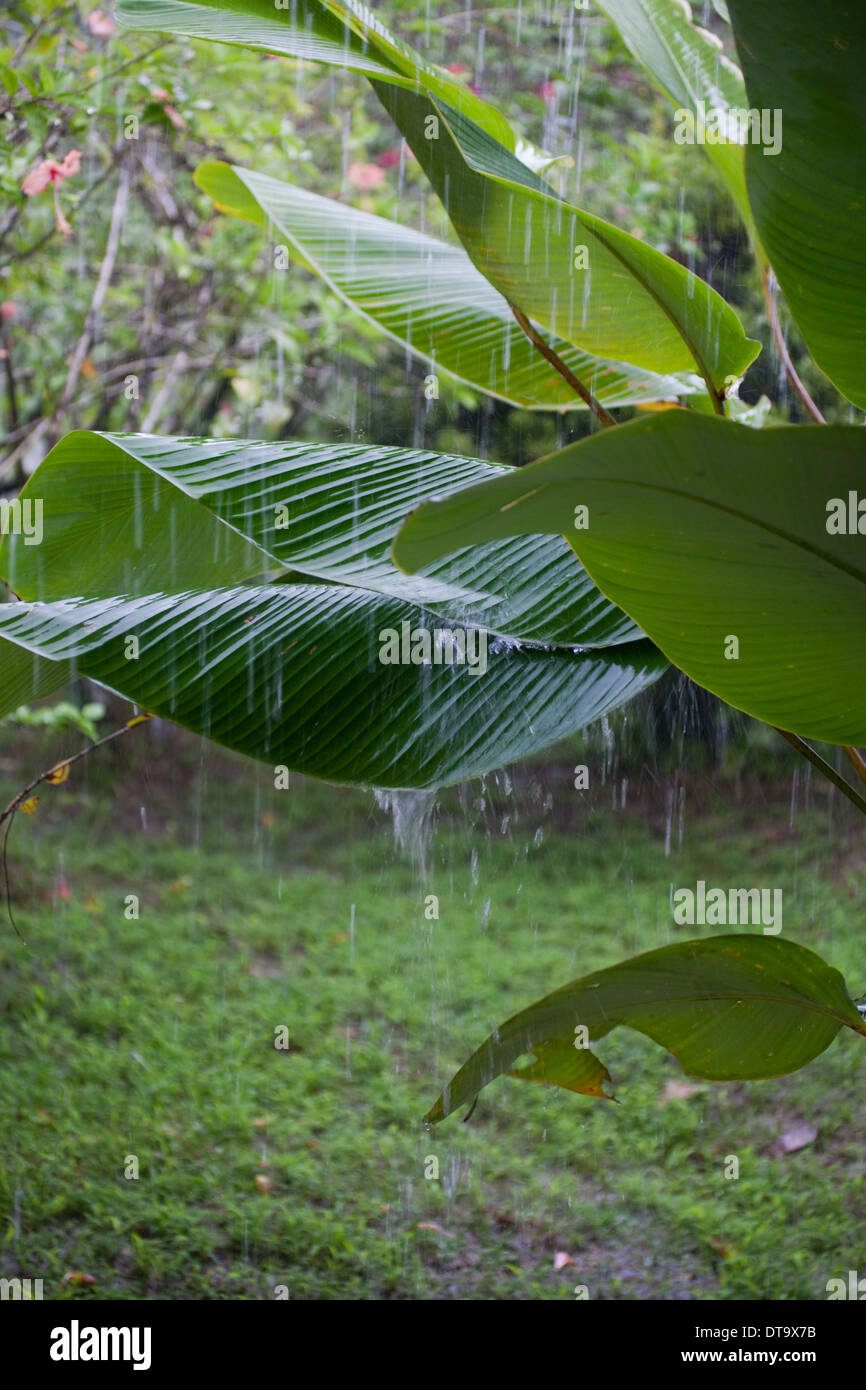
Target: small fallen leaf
(76, 1277)
(262, 1183)
(434, 1226)
(263, 1121)
(561, 1259)
(797, 1137)
(678, 1090)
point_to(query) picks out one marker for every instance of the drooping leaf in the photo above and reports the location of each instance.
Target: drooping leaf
(136, 514)
(577, 276)
(428, 295)
(730, 1008)
(292, 675)
(804, 62)
(720, 543)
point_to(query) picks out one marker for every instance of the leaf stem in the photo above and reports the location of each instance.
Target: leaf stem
(858, 761)
(823, 766)
(769, 283)
(564, 371)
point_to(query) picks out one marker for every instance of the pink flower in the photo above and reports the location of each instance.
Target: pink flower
(388, 158)
(100, 24)
(547, 91)
(457, 68)
(365, 176)
(8, 310)
(50, 172)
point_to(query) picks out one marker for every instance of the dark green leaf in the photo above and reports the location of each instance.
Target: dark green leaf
(730, 1008)
(292, 675)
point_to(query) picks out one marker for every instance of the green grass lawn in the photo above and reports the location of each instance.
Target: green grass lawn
(305, 1168)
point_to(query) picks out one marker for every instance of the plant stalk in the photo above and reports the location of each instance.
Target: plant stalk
(823, 766)
(782, 347)
(564, 371)
(856, 758)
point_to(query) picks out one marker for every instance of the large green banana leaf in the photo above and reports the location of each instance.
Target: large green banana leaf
(428, 295)
(293, 675)
(739, 552)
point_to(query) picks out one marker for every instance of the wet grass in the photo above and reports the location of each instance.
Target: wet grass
(303, 1168)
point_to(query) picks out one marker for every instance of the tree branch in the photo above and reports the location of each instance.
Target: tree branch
(105, 272)
(58, 773)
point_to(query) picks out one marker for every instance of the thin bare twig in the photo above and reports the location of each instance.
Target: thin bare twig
(57, 773)
(769, 284)
(112, 73)
(564, 371)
